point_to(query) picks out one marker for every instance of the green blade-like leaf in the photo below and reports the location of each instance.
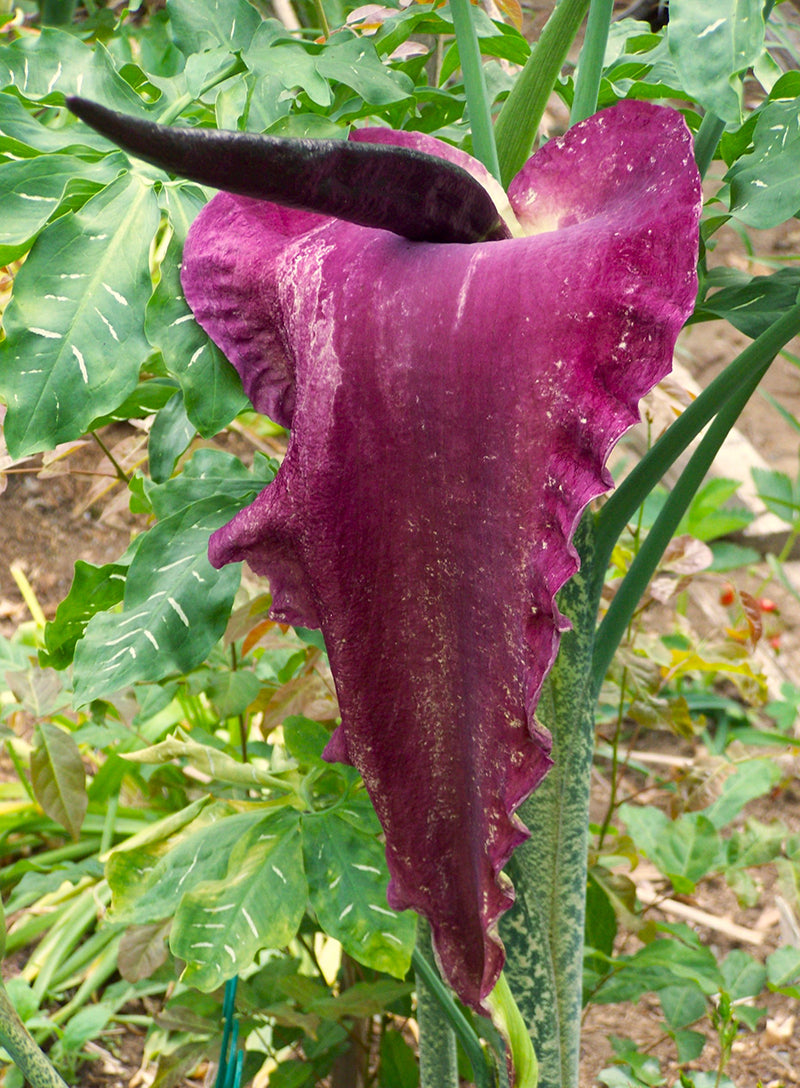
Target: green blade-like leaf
(175, 607)
(212, 390)
(711, 44)
(756, 305)
(221, 924)
(347, 879)
(58, 777)
(74, 338)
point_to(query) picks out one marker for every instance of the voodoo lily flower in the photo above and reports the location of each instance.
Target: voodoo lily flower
(453, 393)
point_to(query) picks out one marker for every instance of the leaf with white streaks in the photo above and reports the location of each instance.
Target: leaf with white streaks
(175, 608)
(31, 190)
(347, 878)
(74, 338)
(259, 903)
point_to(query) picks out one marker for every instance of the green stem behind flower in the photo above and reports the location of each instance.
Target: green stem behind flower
(518, 122)
(724, 398)
(590, 66)
(478, 106)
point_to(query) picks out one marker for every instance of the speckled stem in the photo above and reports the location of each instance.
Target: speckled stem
(437, 1040)
(24, 1051)
(543, 934)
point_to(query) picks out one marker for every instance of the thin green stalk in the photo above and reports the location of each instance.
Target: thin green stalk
(706, 141)
(643, 567)
(590, 66)
(518, 121)
(634, 489)
(508, 1019)
(462, 1028)
(171, 113)
(480, 115)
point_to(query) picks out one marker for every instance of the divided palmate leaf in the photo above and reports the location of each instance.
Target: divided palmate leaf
(93, 590)
(149, 882)
(74, 339)
(764, 191)
(347, 879)
(171, 590)
(259, 903)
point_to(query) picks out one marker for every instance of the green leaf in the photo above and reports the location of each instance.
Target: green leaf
(779, 494)
(175, 608)
(347, 879)
(752, 308)
(743, 975)
(601, 918)
(23, 134)
(711, 44)
(212, 390)
(210, 761)
(54, 62)
(750, 779)
(31, 190)
(706, 519)
(682, 1005)
(305, 741)
(783, 970)
(58, 777)
(764, 183)
(170, 434)
(221, 924)
(93, 590)
(197, 27)
(149, 882)
(689, 1045)
(354, 62)
(74, 341)
(683, 850)
(209, 473)
(399, 1067)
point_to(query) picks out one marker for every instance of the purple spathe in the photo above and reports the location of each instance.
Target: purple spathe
(451, 409)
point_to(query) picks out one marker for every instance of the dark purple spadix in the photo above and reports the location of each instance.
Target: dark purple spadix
(399, 189)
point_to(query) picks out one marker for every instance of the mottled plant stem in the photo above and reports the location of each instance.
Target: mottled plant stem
(543, 933)
(24, 1051)
(437, 1040)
